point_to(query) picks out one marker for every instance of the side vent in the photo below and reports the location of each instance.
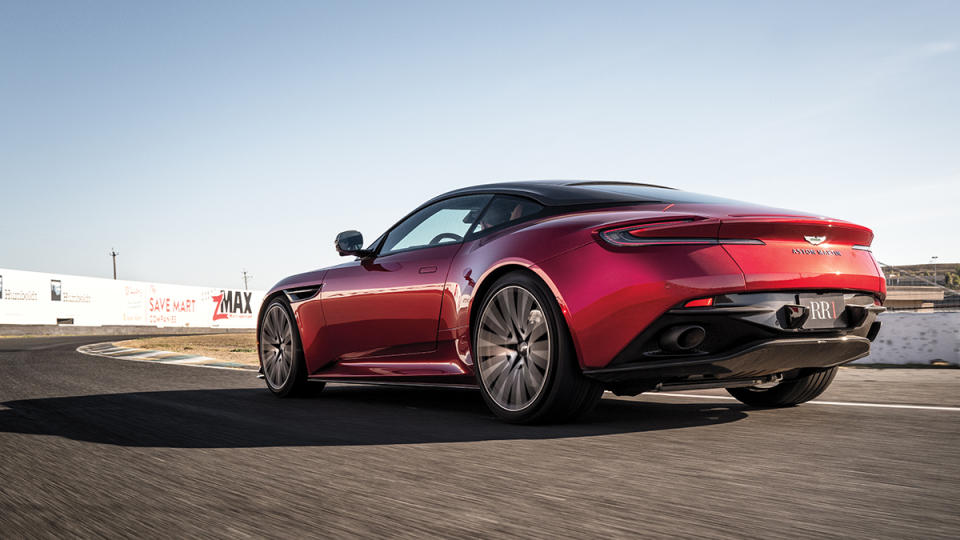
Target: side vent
(301, 293)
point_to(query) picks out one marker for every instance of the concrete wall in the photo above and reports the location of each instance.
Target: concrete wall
(39, 298)
(916, 338)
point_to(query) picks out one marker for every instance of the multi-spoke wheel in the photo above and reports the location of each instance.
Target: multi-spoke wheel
(525, 363)
(513, 348)
(281, 359)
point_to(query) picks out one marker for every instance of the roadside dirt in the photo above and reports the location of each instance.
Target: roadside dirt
(240, 348)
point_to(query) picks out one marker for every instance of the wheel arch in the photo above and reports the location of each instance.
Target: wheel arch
(267, 300)
(486, 282)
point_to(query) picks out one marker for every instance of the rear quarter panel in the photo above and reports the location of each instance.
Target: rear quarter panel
(611, 296)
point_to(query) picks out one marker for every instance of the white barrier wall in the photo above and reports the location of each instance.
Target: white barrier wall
(41, 298)
(916, 338)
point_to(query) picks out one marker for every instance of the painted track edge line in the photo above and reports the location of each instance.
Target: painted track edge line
(818, 402)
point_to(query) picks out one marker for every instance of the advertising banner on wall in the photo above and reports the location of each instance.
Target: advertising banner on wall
(41, 298)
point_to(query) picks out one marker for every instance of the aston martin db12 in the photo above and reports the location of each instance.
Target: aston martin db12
(545, 294)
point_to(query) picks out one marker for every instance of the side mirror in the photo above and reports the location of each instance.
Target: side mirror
(349, 243)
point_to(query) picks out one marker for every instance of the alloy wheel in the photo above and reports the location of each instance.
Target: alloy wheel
(276, 346)
(513, 348)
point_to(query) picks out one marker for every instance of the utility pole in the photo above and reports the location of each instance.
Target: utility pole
(934, 261)
(246, 276)
(113, 253)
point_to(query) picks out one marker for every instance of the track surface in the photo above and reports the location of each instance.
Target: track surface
(98, 446)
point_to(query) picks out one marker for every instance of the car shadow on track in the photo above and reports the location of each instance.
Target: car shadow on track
(340, 415)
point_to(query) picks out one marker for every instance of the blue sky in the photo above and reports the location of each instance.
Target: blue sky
(202, 138)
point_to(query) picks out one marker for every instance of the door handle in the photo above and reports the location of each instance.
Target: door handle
(428, 269)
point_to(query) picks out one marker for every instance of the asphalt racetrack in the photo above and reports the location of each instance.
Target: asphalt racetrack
(98, 446)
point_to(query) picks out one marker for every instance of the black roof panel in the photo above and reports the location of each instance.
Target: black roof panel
(574, 192)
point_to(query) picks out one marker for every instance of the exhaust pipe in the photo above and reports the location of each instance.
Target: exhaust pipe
(682, 338)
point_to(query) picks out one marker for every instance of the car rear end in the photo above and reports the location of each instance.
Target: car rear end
(719, 294)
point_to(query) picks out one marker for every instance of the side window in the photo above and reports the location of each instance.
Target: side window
(504, 210)
(445, 222)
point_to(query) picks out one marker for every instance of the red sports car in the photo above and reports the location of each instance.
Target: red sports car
(545, 294)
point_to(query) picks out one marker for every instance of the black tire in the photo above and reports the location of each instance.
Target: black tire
(789, 392)
(277, 326)
(564, 393)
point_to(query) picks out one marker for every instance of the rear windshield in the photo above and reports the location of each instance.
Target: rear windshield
(657, 194)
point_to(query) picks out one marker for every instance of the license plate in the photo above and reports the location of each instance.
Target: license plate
(826, 310)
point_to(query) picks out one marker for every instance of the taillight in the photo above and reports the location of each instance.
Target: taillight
(637, 235)
(629, 237)
(687, 231)
(624, 238)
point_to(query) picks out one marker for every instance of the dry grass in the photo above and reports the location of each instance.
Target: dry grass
(239, 348)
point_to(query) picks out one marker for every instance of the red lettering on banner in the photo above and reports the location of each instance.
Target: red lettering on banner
(168, 305)
(183, 306)
(216, 309)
